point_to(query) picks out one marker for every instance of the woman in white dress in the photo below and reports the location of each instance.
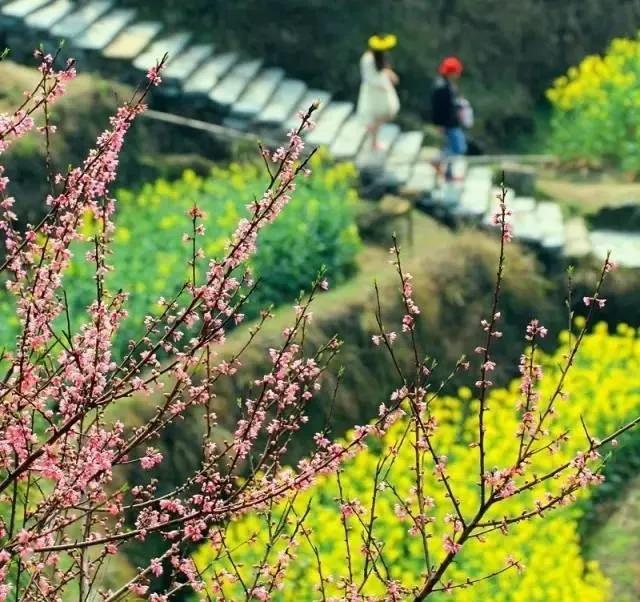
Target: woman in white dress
(378, 100)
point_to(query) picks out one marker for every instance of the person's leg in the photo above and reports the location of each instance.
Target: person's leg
(373, 131)
(374, 135)
(459, 142)
(456, 146)
(449, 150)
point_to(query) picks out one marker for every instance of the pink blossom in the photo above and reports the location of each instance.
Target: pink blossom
(153, 75)
(261, 593)
(450, 545)
(152, 458)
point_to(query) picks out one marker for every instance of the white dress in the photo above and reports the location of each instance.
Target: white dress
(378, 99)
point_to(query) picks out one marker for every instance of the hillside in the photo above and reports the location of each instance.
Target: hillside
(153, 150)
(512, 50)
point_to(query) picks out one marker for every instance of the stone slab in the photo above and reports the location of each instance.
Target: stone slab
(521, 204)
(232, 85)
(172, 45)
(402, 157)
(19, 9)
(180, 68)
(550, 220)
(257, 94)
(577, 244)
(476, 195)
(459, 168)
(76, 22)
(524, 218)
(132, 41)
(329, 123)
(203, 80)
(478, 172)
(444, 199)
(423, 180)
(282, 104)
(374, 159)
(103, 31)
(48, 16)
(624, 246)
(430, 153)
(527, 228)
(349, 139)
(406, 148)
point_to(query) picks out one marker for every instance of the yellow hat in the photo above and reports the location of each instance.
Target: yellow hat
(383, 43)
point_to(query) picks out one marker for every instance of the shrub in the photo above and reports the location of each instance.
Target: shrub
(596, 117)
(317, 229)
(604, 388)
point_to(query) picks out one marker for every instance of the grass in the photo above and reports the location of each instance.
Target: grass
(615, 545)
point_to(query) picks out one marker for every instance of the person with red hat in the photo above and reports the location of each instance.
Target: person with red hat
(449, 111)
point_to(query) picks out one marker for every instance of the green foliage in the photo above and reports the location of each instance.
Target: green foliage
(596, 118)
(604, 389)
(150, 260)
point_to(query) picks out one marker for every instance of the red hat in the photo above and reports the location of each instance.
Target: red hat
(450, 65)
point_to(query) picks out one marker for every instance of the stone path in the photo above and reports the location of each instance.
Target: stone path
(242, 93)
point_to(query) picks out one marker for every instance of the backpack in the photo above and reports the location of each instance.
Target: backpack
(465, 112)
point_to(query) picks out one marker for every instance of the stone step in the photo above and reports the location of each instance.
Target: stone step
(19, 9)
(183, 66)
(374, 159)
(519, 205)
(103, 31)
(624, 247)
(422, 181)
(459, 168)
(578, 244)
(477, 172)
(349, 139)
(329, 122)
(258, 93)
(527, 229)
(45, 18)
(202, 81)
(76, 22)
(430, 154)
(444, 199)
(232, 85)
(539, 224)
(476, 194)
(303, 105)
(402, 158)
(172, 45)
(549, 217)
(524, 219)
(274, 115)
(132, 41)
